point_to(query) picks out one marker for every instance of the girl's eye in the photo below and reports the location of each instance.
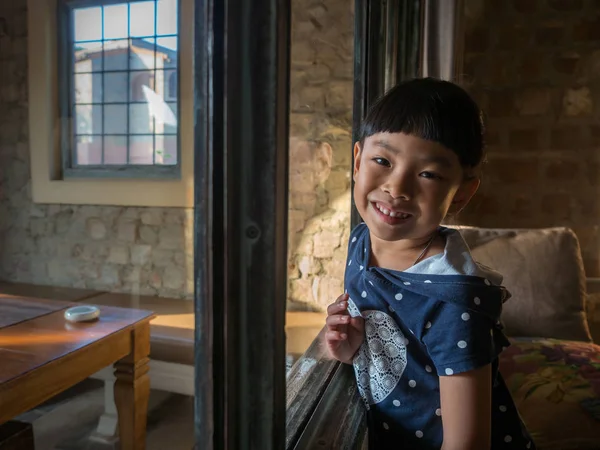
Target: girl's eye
(430, 175)
(382, 162)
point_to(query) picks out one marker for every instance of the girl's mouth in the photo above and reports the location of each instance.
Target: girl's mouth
(390, 216)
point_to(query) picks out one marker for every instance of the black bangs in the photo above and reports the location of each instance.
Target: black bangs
(434, 110)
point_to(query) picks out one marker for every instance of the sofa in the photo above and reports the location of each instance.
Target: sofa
(552, 367)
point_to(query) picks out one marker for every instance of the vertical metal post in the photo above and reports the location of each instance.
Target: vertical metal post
(241, 163)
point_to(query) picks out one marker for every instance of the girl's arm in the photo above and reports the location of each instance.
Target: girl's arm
(466, 400)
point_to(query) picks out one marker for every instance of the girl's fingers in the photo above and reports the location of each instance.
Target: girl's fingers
(332, 335)
(337, 319)
(340, 307)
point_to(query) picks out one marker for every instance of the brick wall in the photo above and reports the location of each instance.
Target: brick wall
(534, 66)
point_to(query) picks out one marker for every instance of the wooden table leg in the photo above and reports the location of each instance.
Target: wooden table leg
(132, 390)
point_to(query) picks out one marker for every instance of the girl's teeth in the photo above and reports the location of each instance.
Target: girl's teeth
(387, 212)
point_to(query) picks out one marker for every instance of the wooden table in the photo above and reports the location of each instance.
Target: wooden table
(41, 355)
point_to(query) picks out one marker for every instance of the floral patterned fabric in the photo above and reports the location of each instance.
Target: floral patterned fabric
(556, 387)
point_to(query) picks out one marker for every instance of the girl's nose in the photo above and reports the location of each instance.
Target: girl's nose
(399, 186)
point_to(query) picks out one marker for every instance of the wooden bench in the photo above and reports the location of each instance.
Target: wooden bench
(172, 339)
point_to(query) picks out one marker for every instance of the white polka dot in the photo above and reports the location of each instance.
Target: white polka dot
(477, 301)
(386, 426)
(465, 316)
(486, 281)
(462, 344)
(502, 408)
(371, 283)
(419, 433)
(396, 402)
(407, 283)
(412, 383)
(361, 267)
(354, 239)
(428, 325)
(438, 412)
(428, 369)
(449, 371)
(398, 297)
(508, 438)
(364, 294)
(427, 281)
(350, 262)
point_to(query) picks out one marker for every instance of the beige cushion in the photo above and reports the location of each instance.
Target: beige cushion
(543, 270)
(171, 331)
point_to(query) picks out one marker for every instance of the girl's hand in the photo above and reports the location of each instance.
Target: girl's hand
(344, 334)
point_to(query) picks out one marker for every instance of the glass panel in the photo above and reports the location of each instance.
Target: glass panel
(88, 87)
(88, 24)
(166, 150)
(87, 56)
(88, 119)
(141, 150)
(171, 85)
(116, 55)
(166, 53)
(142, 83)
(143, 54)
(141, 19)
(89, 150)
(115, 119)
(320, 167)
(140, 119)
(115, 87)
(115, 149)
(169, 118)
(167, 14)
(115, 22)
(85, 253)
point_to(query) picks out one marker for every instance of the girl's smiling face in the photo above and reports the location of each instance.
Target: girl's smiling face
(405, 185)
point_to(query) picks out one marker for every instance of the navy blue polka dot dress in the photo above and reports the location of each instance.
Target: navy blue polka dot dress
(438, 318)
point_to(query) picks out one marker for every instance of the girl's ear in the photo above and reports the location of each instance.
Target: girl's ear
(357, 154)
(464, 194)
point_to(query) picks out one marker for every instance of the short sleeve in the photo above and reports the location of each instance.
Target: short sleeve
(459, 339)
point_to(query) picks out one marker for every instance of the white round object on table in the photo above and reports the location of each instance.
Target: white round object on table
(82, 313)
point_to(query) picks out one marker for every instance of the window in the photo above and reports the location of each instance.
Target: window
(116, 60)
(111, 104)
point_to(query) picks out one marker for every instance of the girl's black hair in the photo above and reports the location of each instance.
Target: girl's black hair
(434, 110)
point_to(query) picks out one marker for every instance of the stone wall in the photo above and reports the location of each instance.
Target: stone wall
(149, 250)
(320, 150)
(534, 65)
(136, 250)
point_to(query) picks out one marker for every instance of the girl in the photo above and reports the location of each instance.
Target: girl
(420, 319)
